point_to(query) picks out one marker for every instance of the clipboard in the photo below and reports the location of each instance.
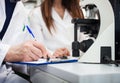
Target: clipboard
(45, 62)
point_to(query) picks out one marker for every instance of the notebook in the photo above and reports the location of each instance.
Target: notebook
(51, 61)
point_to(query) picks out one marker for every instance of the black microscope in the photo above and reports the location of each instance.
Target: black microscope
(88, 26)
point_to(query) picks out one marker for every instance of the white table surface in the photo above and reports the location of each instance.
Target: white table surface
(81, 73)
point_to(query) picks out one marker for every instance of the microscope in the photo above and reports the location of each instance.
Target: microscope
(99, 22)
(88, 27)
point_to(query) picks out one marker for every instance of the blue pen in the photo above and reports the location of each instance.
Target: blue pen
(30, 31)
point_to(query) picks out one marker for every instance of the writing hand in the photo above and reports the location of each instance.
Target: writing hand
(28, 51)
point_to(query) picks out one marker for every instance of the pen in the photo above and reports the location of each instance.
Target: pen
(30, 31)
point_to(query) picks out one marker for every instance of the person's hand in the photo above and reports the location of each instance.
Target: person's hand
(28, 51)
(61, 52)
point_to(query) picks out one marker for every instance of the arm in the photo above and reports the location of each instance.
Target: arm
(28, 51)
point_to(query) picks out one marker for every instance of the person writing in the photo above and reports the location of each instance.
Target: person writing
(52, 24)
(15, 45)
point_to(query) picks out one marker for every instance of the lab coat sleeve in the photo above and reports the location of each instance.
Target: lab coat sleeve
(35, 24)
(3, 51)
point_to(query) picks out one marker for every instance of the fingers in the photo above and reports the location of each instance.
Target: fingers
(43, 50)
(66, 51)
(29, 53)
(36, 52)
(61, 52)
(33, 51)
(33, 56)
(29, 58)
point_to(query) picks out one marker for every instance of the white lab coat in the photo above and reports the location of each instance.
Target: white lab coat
(62, 36)
(14, 33)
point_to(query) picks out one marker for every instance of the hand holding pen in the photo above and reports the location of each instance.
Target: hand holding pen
(59, 53)
(27, 51)
(37, 45)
